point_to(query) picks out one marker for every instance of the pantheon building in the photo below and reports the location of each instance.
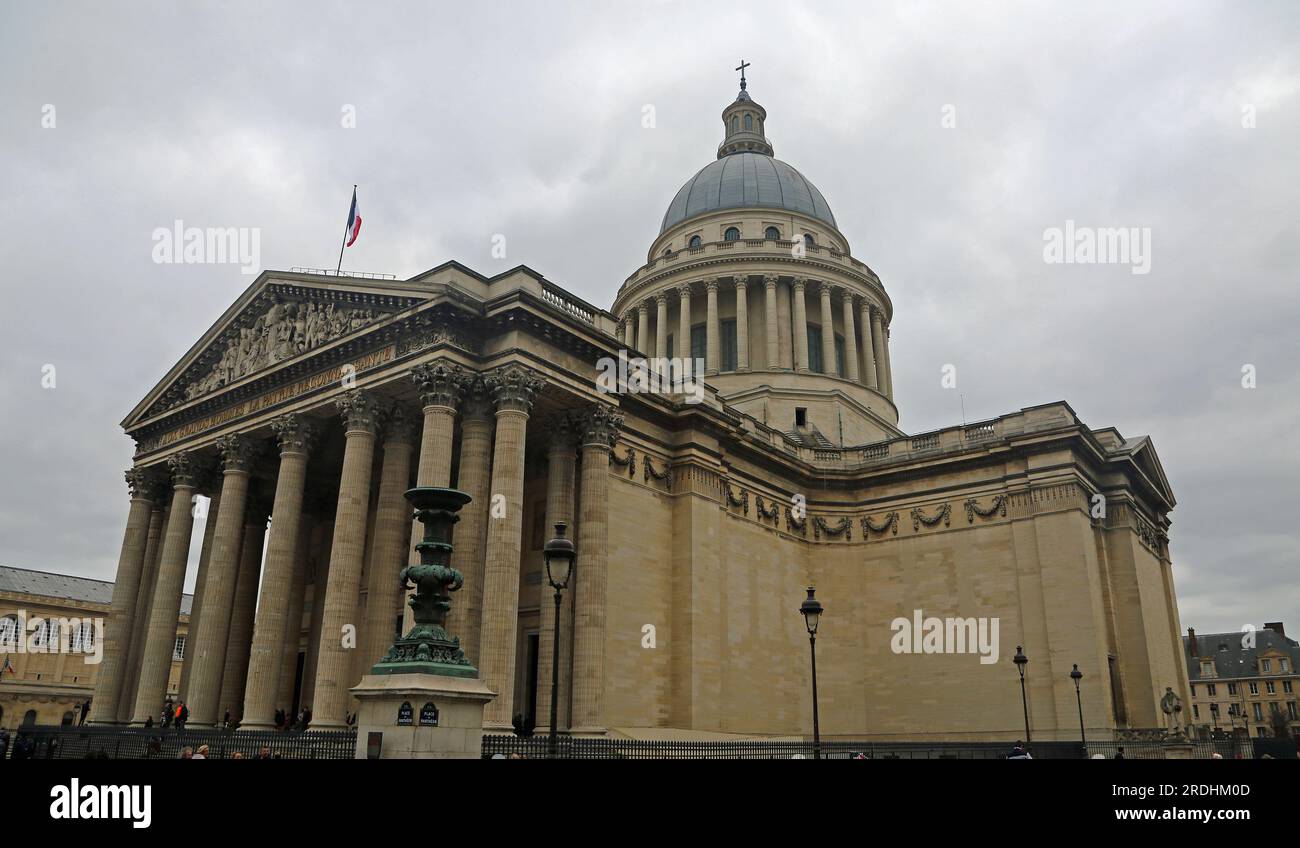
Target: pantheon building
(317, 399)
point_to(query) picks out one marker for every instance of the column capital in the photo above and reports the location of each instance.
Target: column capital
(438, 383)
(710, 284)
(877, 314)
(741, 282)
(770, 280)
(799, 283)
(400, 425)
(644, 306)
(184, 469)
(685, 290)
(661, 299)
(514, 387)
(238, 452)
(144, 484)
(360, 411)
(476, 398)
(563, 427)
(825, 288)
(295, 433)
(600, 425)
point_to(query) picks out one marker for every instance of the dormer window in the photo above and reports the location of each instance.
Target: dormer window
(772, 234)
(694, 242)
(732, 234)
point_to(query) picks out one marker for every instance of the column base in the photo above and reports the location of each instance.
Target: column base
(420, 716)
(588, 732)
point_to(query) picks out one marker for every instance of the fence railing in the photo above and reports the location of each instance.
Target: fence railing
(536, 747)
(144, 743)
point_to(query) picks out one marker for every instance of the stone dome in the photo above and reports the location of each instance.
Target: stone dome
(744, 180)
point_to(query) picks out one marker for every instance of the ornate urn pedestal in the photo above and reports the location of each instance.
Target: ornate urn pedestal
(424, 700)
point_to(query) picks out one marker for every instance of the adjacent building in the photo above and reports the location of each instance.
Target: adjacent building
(1244, 681)
(43, 684)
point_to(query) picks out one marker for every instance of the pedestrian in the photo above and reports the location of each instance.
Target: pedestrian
(279, 719)
(85, 710)
(202, 753)
(148, 722)
(182, 715)
(225, 720)
(264, 753)
(1019, 752)
(1119, 753)
(187, 753)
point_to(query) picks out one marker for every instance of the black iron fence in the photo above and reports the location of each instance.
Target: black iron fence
(537, 747)
(144, 743)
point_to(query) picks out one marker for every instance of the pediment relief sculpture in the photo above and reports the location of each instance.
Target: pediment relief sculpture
(287, 328)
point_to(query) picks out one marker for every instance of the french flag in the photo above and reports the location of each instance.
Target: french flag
(354, 221)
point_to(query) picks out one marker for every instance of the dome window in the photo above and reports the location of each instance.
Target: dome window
(749, 122)
(735, 124)
(808, 240)
(732, 234)
(772, 234)
(668, 251)
(694, 242)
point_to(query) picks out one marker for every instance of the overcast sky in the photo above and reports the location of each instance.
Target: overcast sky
(526, 120)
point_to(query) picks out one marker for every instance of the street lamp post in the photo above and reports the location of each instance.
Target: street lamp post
(811, 609)
(1076, 676)
(559, 555)
(1021, 661)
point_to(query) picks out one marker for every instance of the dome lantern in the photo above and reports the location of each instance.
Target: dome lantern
(742, 123)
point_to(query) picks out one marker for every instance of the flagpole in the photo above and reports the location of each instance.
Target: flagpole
(344, 243)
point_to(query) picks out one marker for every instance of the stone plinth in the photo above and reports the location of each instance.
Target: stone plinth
(459, 702)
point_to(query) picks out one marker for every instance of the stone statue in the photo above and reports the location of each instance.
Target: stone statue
(1171, 705)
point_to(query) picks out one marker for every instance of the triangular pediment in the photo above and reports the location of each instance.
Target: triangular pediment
(1143, 453)
(274, 321)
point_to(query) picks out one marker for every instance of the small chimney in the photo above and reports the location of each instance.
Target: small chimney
(1276, 627)
(1191, 642)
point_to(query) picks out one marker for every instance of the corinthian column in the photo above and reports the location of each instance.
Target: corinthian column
(440, 385)
(126, 589)
(295, 435)
(712, 351)
(800, 325)
(888, 369)
(208, 644)
(392, 531)
(868, 356)
(661, 325)
(683, 349)
(742, 323)
(166, 609)
(513, 387)
(599, 431)
(829, 363)
(562, 458)
(643, 328)
(773, 343)
(469, 534)
(158, 492)
(234, 676)
(329, 704)
(200, 583)
(878, 341)
(850, 337)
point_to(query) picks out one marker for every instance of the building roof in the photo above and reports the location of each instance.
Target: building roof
(1231, 659)
(745, 180)
(64, 586)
